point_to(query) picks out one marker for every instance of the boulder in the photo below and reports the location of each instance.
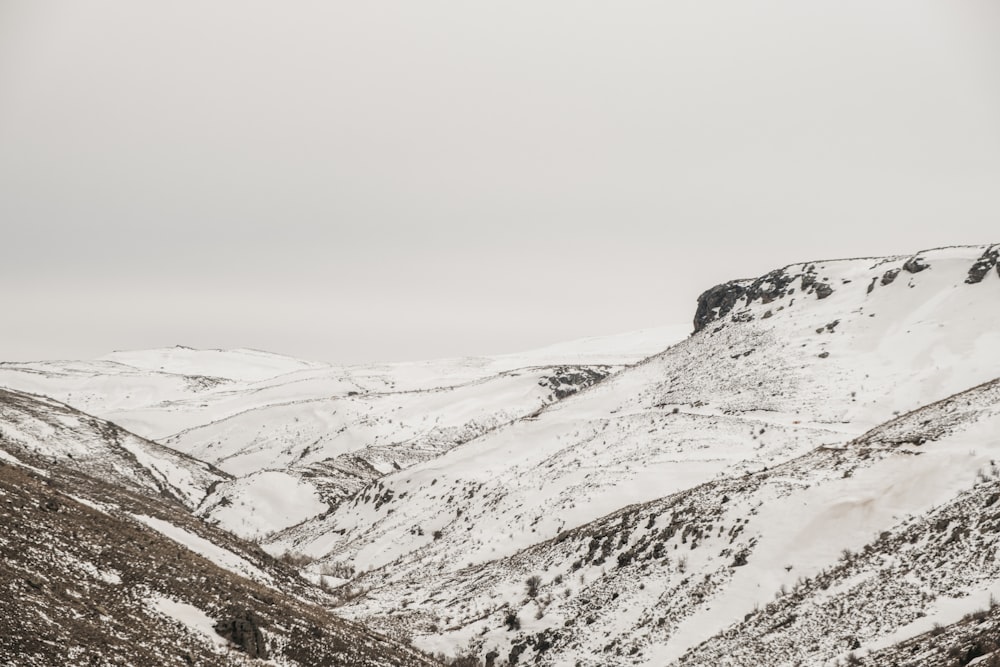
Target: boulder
(988, 260)
(915, 264)
(242, 628)
(889, 276)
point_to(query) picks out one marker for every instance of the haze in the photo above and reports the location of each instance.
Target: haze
(399, 180)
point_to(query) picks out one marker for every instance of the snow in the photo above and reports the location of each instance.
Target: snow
(240, 364)
(190, 617)
(810, 528)
(621, 442)
(162, 392)
(222, 557)
(466, 467)
(265, 502)
(943, 611)
(10, 458)
(174, 472)
(104, 509)
(104, 574)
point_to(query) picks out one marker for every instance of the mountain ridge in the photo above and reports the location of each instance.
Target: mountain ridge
(823, 438)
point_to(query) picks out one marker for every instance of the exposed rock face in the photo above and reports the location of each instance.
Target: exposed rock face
(242, 628)
(716, 303)
(567, 380)
(915, 264)
(988, 260)
(889, 276)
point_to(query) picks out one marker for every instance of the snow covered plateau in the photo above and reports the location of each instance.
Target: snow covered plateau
(811, 477)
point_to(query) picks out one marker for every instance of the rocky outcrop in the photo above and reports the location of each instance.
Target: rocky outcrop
(915, 264)
(242, 628)
(889, 276)
(567, 380)
(716, 303)
(987, 261)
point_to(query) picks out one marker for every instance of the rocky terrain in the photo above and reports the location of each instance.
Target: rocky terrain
(811, 478)
(102, 564)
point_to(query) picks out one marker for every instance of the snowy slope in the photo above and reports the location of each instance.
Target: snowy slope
(818, 354)
(95, 573)
(161, 419)
(306, 431)
(161, 392)
(38, 427)
(778, 555)
(105, 387)
(808, 478)
(330, 448)
(318, 433)
(241, 364)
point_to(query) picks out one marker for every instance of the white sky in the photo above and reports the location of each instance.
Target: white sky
(354, 181)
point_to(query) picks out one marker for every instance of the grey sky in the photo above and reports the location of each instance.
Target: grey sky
(355, 181)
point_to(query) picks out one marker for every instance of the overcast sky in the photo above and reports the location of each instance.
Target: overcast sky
(354, 181)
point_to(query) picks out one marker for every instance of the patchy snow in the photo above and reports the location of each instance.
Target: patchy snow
(194, 619)
(222, 557)
(100, 507)
(177, 474)
(10, 458)
(944, 610)
(59, 433)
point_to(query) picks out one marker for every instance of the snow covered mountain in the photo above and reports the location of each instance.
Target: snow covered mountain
(39, 427)
(811, 477)
(102, 562)
(805, 359)
(299, 437)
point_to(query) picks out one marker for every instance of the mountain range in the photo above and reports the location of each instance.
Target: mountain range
(811, 477)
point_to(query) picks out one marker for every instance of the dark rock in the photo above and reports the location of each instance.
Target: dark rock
(988, 260)
(889, 276)
(716, 303)
(567, 380)
(242, 628)
(515, 652)
(871, 286)
(915, 264)
(824, 355)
